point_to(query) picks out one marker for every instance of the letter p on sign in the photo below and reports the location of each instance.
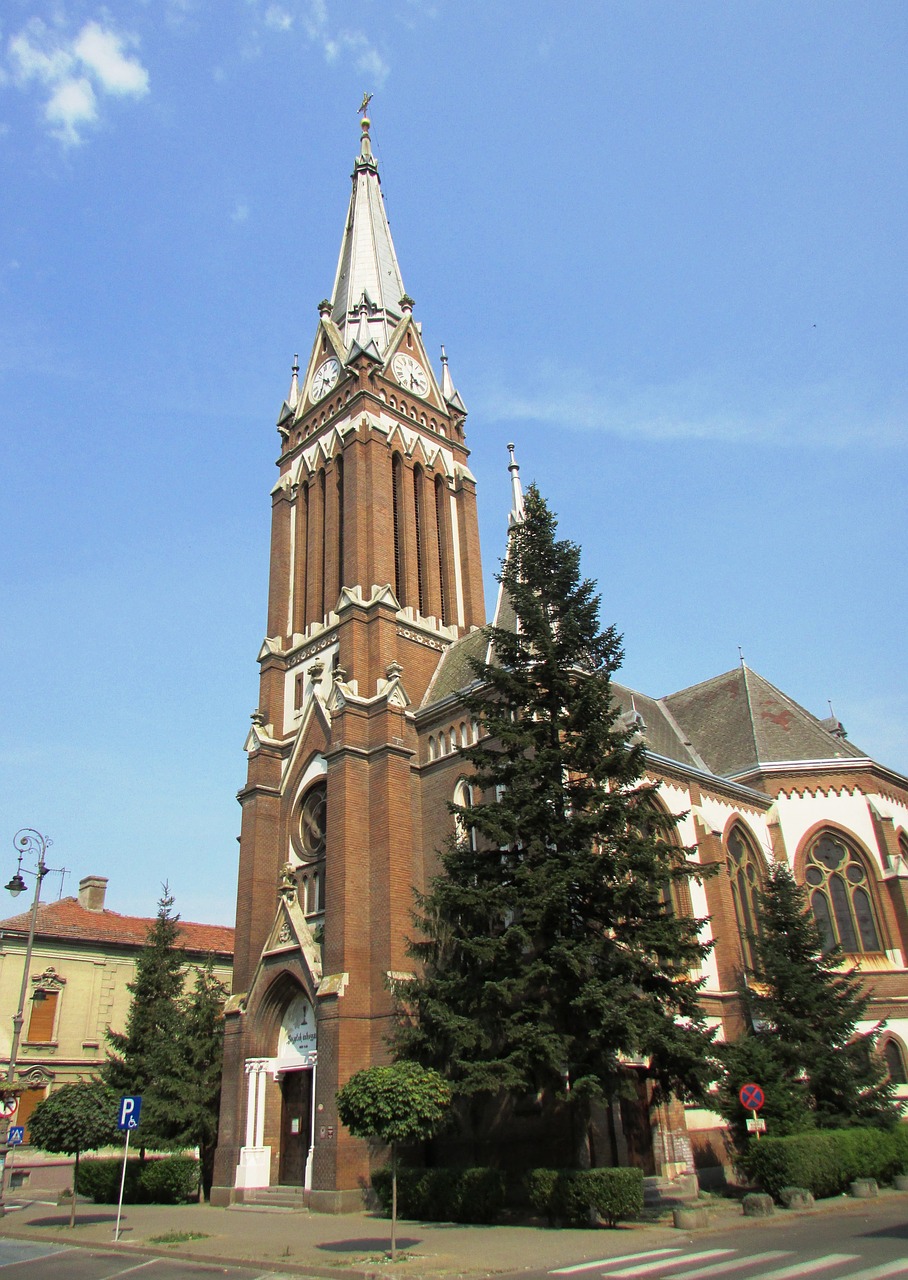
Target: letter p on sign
(128, 1115)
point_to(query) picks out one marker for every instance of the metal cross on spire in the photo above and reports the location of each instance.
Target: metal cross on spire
(364, 105)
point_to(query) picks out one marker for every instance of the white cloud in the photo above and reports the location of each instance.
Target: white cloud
(702, 408)
(74, 71)
(278, 19)
(102, 52)
(240, 212)
(71, 105)
(336, 45)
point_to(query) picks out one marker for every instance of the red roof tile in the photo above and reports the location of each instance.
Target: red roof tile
(67, 919)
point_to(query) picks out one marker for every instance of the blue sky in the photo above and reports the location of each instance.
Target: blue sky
(664, 244)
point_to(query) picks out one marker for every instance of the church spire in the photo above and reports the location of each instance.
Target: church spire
(368, 283)
(517, 512)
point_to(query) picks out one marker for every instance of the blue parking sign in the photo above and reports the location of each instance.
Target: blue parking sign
(16, 1135)
(128, 1115)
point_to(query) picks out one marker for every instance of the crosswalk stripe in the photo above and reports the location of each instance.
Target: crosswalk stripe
(736, 1264)
(808, 1268)
(611, 1262)
(883, 1272)
(628, 1272)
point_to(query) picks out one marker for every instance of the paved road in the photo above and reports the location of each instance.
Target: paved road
(850, 1246)
(58, 1262)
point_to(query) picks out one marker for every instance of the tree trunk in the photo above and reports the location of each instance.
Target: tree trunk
(393, 1202)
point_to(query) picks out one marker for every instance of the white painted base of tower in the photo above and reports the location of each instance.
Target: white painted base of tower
(254, 1168)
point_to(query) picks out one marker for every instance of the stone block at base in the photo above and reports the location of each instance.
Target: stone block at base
(900, 1182)
(757, 1205)
(864, 1188)
(336, 1201)
(796, 1198)
(690, 1219)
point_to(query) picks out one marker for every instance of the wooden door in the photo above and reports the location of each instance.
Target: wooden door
(296, 1126)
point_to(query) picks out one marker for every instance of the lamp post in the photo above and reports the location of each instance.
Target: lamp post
(32, 844)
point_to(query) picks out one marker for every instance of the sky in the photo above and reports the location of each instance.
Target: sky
(663, 243)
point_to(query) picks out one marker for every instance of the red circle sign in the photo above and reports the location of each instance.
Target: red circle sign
(751, 1096)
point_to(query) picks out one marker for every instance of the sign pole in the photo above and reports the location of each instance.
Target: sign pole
(122, 1185)
(756, 1129)
(127, 1118)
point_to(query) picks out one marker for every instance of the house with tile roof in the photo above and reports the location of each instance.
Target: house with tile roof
(83, 958)
(375, 619)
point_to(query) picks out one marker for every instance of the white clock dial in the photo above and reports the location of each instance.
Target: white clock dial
(324, 379)
(410, 374)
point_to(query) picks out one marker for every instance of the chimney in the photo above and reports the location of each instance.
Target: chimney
(91, 892)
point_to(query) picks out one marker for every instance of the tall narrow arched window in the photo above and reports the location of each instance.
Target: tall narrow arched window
(322, 564)
(744, 876)
(465, 795)
(420, 540)
(309, 838)
(441, 528)
(895, 1062)
(339, 478)
(397, 518)
(840, 895)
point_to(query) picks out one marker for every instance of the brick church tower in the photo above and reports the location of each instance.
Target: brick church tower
(375, 577)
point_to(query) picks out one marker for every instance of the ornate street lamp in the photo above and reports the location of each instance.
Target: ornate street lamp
(31, 844)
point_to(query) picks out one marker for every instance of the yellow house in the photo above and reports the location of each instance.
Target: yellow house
(82, 959)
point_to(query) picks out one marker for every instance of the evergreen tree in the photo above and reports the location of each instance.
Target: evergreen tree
(547, 954)
(190, 1093)
(147, 1052)
(808, 1009)
(754, 1059)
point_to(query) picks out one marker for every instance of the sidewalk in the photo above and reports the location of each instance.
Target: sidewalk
(351, 1246)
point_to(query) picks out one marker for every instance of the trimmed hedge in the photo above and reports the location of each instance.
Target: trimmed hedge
(825, 1162)
(171, 1180)
(443, 1195)
(579, 1196)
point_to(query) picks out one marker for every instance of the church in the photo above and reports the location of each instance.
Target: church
(375, 610)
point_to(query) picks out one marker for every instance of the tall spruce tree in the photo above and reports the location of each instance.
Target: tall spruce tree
(147, 1052)
(547, 953)
(189, 1093)
(807, 1010)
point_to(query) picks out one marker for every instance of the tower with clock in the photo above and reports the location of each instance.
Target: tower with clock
(375, 591)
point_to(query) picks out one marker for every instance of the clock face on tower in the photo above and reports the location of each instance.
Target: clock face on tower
(324, 379)
(410, 374)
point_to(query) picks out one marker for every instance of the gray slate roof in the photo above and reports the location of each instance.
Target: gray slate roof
(738, 721)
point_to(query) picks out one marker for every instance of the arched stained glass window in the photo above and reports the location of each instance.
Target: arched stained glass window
(745, 879)
(840, 895)
(895, 1062)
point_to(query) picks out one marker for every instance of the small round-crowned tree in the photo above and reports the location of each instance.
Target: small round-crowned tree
(401, 1102)
(79, 1117)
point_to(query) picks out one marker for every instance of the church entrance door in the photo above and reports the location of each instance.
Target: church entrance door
(638, 1129)
(296, 1126)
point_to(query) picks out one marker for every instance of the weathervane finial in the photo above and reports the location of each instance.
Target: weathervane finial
(364, 105)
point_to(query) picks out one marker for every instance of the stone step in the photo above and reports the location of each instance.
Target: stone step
(275, 1198)
(670, 1193)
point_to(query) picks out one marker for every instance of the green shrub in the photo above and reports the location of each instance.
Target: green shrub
(172, 1180)
(576, 1197)
(615, 1194)
(100, 1180)
(826, 1162)
(542, 1193)
(900, 1140)
(443, 1195)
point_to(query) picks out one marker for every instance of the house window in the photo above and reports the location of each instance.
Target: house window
(27, 1103)
(840, 895)
(744, 875)
(43, 1017)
